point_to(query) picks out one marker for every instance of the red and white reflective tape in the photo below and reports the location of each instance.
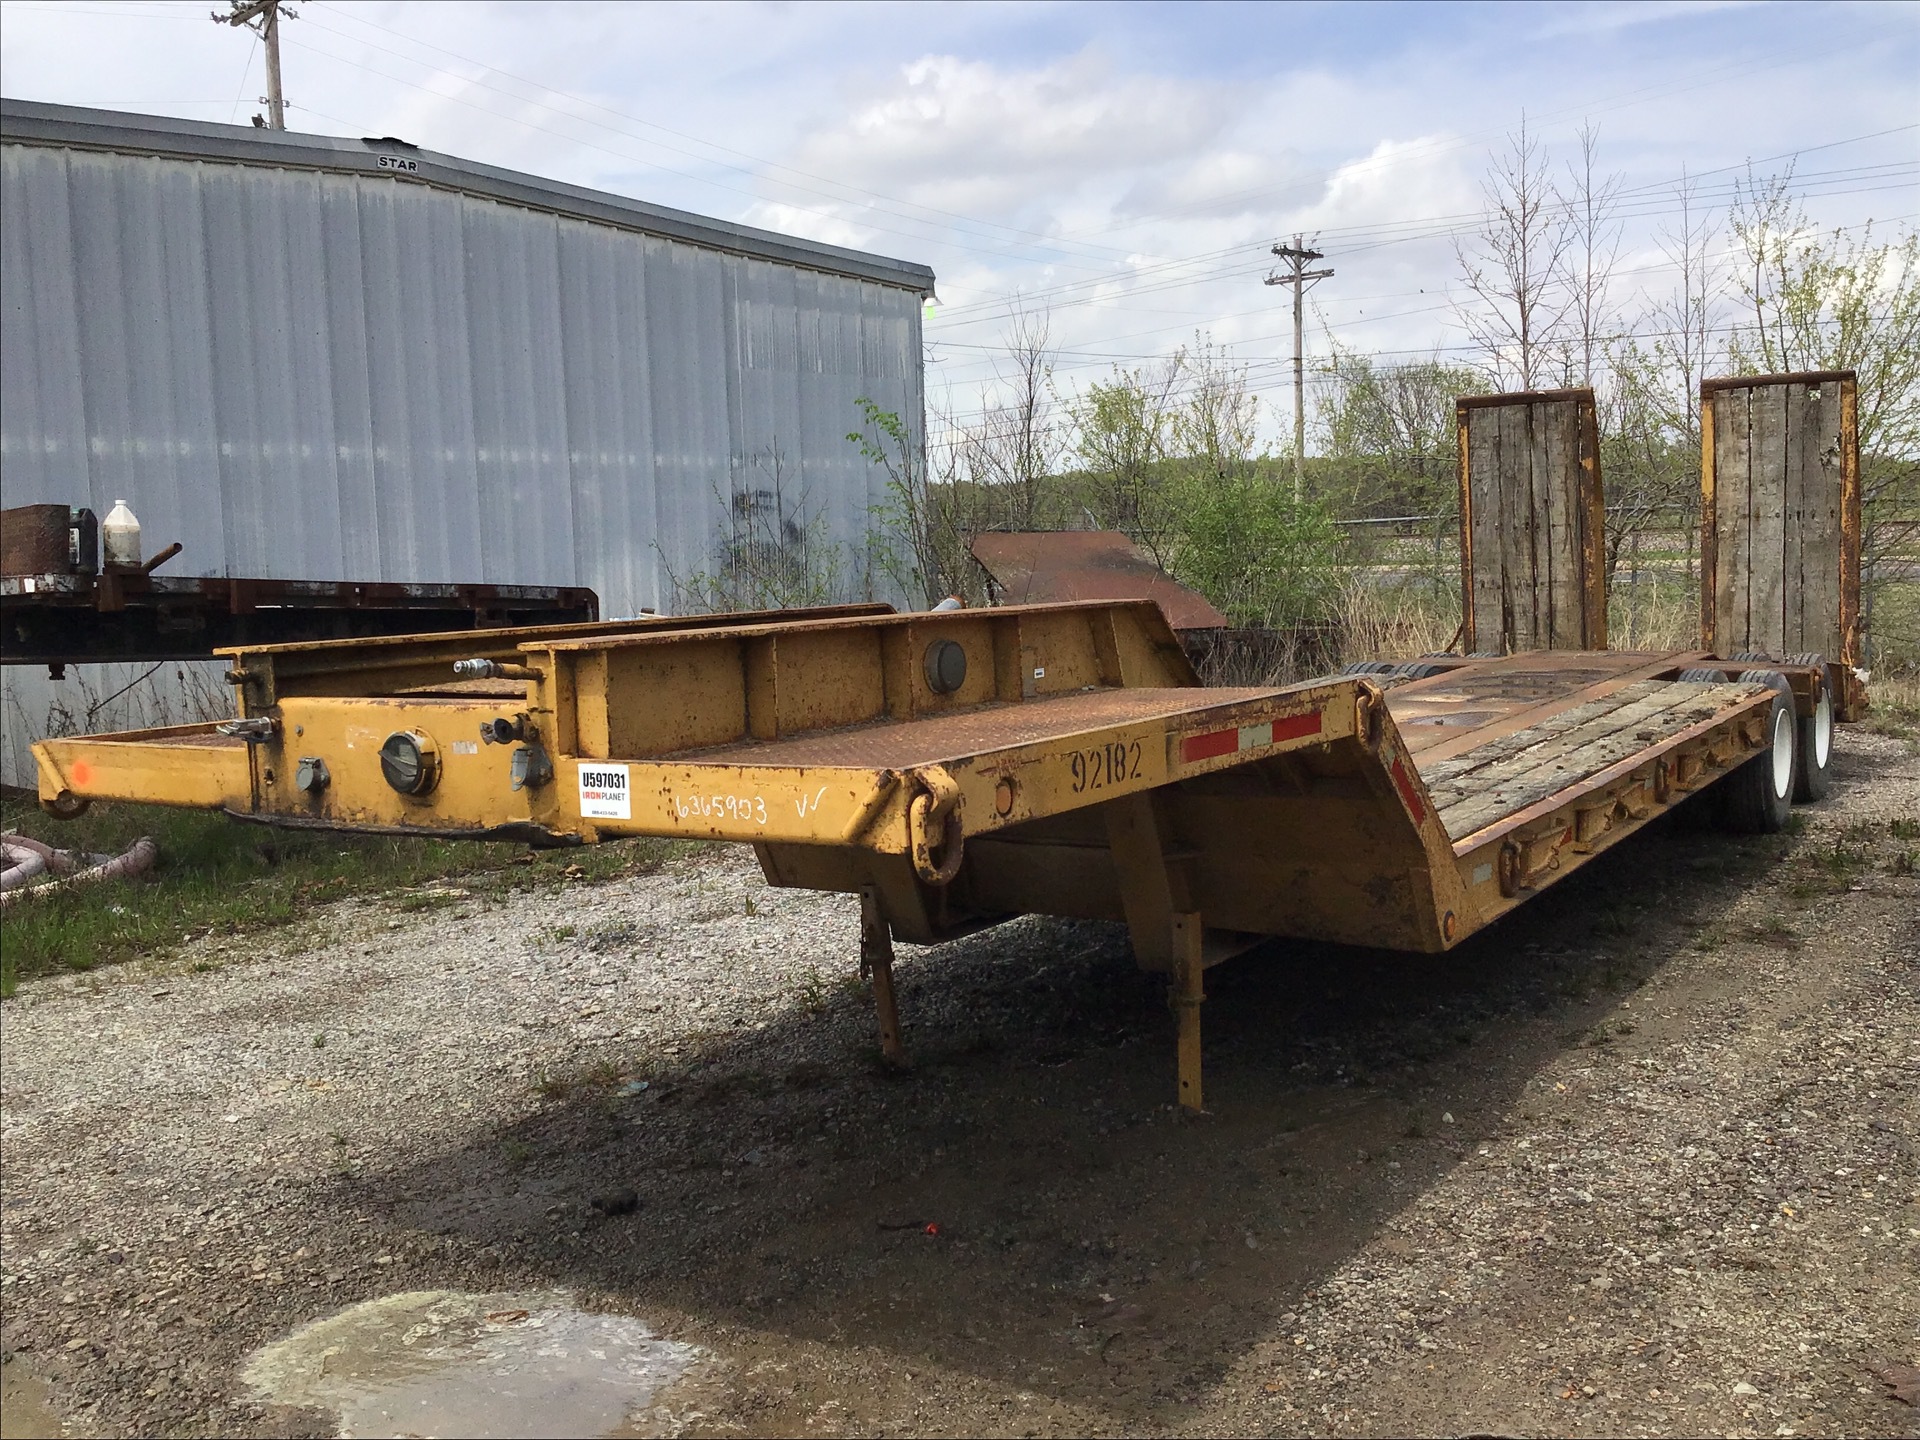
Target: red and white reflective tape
(1213, 743)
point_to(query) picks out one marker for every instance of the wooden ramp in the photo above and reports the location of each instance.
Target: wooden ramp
(1532, 523)
(1780, 521)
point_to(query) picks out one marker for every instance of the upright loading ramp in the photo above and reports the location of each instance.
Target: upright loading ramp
(1780, 521)
(1532, 522)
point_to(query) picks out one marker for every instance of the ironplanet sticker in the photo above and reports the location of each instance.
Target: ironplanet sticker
(605, 793)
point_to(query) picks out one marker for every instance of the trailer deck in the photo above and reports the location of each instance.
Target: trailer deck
(957, 769)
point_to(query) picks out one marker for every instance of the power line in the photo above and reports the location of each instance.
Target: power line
(1644, 201)
(1248, 268)
(1259, 369)
(1650, 268)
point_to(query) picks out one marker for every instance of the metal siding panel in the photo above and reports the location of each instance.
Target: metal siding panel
(513, 306)
(236, 222)
(311, 428)
(350, 390)
(103, 321)
(692, 392)
(734, 287)
(608, 413)
(439, 426)
(43, 427)
(400, 476)
(774, 459)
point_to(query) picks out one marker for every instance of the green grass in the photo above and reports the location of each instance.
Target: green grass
(217, 876)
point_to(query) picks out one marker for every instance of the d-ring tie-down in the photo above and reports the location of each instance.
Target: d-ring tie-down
(936, 806)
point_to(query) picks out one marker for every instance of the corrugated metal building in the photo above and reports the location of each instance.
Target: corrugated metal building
(314, 358)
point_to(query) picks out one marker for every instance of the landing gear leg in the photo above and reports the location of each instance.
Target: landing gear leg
(876, 965)
(1188, 992)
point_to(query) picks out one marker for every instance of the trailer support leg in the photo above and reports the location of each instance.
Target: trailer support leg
(876, 964)
(1189, 966)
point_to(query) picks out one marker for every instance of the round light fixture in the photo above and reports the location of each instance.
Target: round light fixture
(410, 761)
(946, 666)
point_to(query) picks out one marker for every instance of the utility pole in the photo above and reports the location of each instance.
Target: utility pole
(1298, 257)
(265, 15)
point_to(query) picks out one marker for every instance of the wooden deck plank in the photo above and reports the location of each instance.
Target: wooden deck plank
(1730, 418)
(1516, 532)
(1548, 743)
(1766, 626)
(1477, 768)
(1540, 509)
(1560, 683)
(1558, 457)
(1794, 493)
(1820, 525)
(1458, 770)
(1483, 459)
(1593, 748)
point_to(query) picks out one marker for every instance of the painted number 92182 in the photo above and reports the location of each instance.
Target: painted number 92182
(1104, 765)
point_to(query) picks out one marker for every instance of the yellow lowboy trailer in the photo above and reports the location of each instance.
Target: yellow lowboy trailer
(958, 768)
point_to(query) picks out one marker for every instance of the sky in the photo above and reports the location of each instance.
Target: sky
(1120, 170)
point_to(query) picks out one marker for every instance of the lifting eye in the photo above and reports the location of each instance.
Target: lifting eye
(946, 666)
(410, 762)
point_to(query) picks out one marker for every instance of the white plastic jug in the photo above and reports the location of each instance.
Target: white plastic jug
(120, 535)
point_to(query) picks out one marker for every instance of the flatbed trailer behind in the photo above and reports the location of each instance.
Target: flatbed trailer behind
(956, 769)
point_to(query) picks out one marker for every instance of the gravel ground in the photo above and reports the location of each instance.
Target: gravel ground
(1640, 1160)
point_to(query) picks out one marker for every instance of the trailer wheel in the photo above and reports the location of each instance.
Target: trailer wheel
(1417, 669)
(1812, 777)
(1757, 798)
(1752, 655)
(1486, 654)
(1704, 677)
(1367, 667)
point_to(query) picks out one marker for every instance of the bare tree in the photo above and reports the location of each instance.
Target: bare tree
(1593, 254)
(1652, 412)
(1019, 440)
(1514, 266)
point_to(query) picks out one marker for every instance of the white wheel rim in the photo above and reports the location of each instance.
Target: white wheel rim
(1782, 751)
(1823, 729)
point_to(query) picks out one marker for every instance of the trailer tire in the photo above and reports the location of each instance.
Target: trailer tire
(1486, 654)
(1752, 655)
(1706, 677)
(1417, 670)
(1757, 798)
(1812, 772)
(1367, 667)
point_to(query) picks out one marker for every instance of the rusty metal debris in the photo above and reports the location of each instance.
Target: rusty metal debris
(1035, 567)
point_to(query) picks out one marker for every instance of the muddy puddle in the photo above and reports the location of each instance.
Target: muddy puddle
(26, 1410)
(447, 1363)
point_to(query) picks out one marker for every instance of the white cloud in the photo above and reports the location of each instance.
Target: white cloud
(991, 141)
